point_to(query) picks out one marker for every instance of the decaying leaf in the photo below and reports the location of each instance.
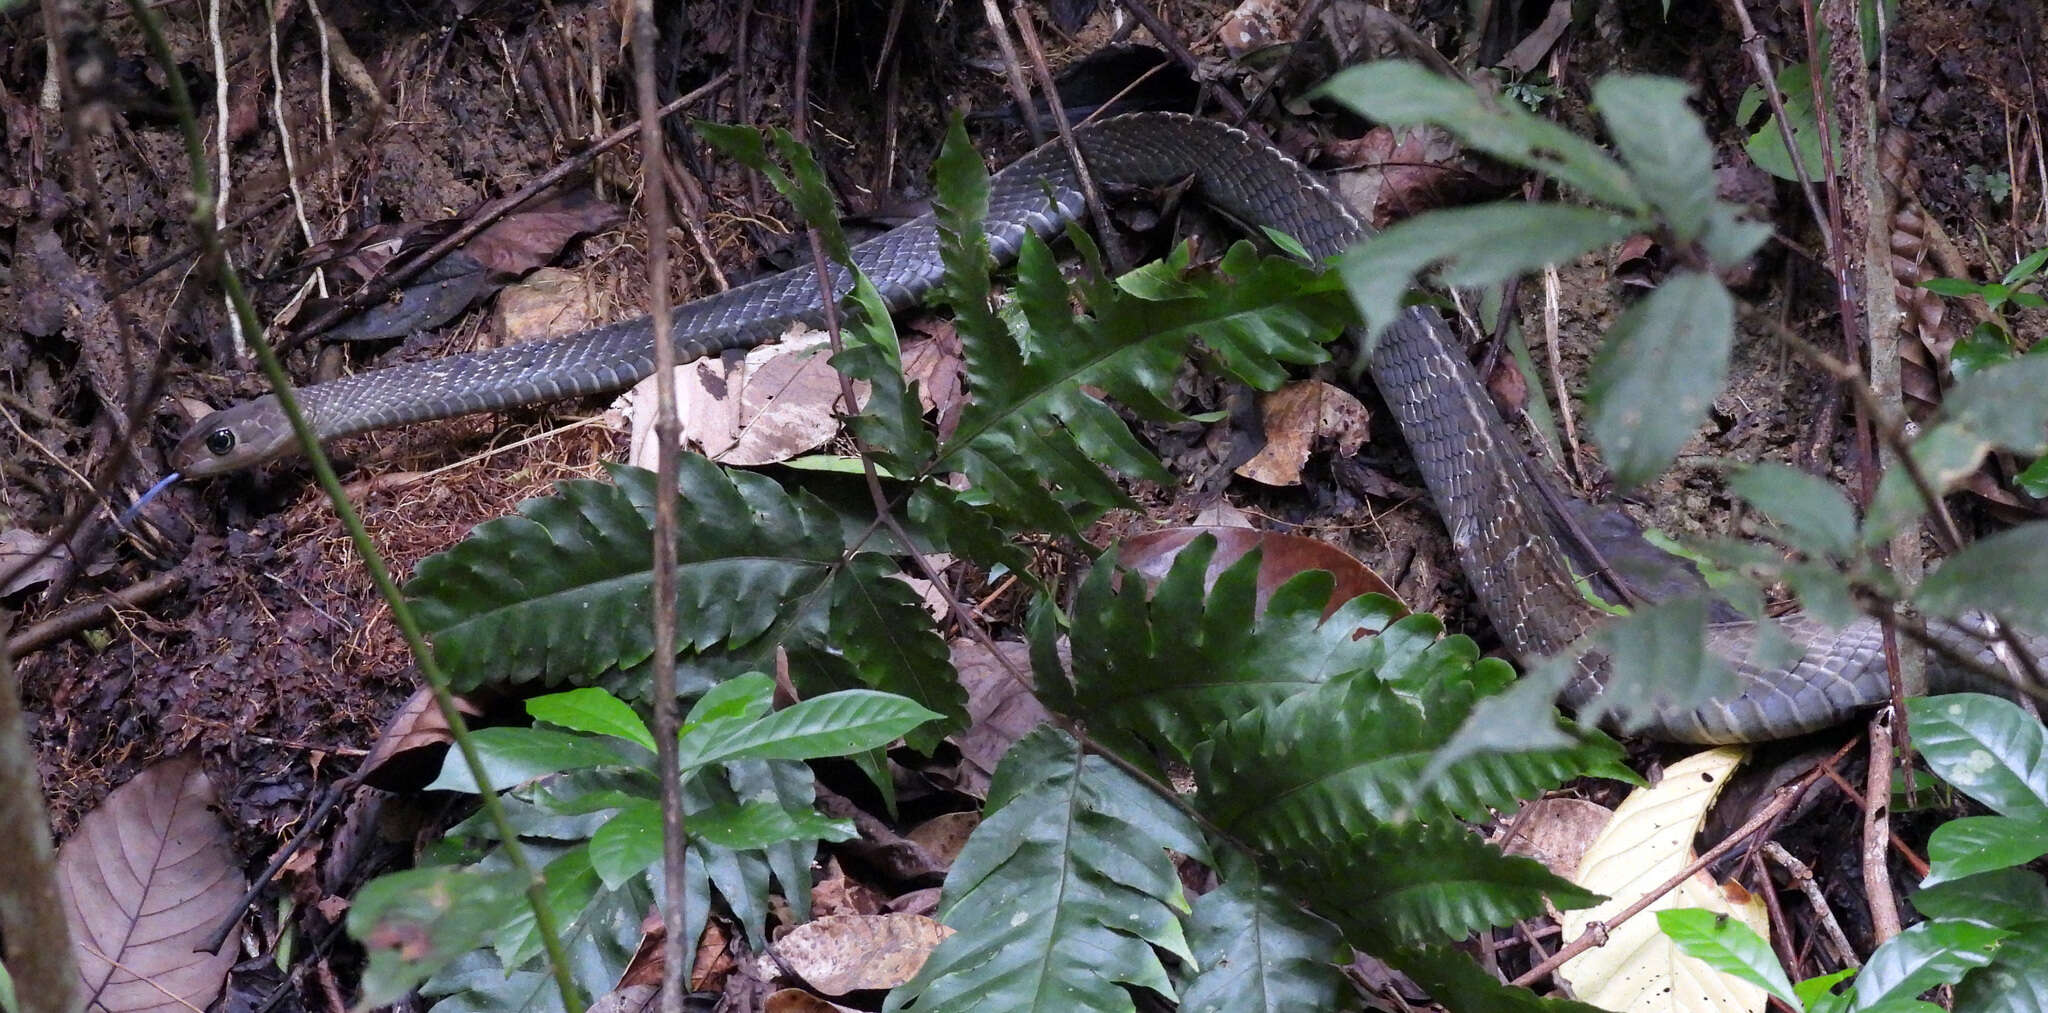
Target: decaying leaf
(1000, 709)
(838, 954)
(408, 751)
(1296, 418)
(945, 835)
(548, 303)
(1646, 843)
(778, 401)
(1554, 831)
(147, 877)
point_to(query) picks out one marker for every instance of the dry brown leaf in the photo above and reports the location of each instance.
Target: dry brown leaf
(628, 999)
(549, 303)
(838, 954)
(533, 235)
(1151, 555)
(943, 836)
(1554, 831)
(836, 893)
(777, 401)
(17, 546)
(1296, 418)
(999, 710)
(1395, 178)
(147, 877)
(408, 751)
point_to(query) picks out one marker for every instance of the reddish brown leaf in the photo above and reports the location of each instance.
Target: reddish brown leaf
(1152, 554)
(1297, 418)
(147, 877)
(530, 237)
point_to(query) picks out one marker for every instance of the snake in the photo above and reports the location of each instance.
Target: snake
(1482, 483)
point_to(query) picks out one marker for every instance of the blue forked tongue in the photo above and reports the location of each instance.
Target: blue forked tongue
(128, 515)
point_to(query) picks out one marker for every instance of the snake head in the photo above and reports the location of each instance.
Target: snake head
(234, 438)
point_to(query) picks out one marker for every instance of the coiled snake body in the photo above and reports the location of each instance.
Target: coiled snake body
(1476, 472)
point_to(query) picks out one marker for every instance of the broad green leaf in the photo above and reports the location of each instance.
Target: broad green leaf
(591, 710)
(1928, 954)
(631, 842)
(836, 724)
(1403, 94)
(1419, 885)
(1342, 757)
(1982, 577)
(740, 698)
(1973, 844)
(1728, 946)
(1063, 896)
(2034, 480)
(1954, 288)
(1664, 362)
(1814, 515)
(2004, 403)
(560, 592)
(2026, 268)
(515, 755)
(1659, 665)
(1259, 952)
(1475, 246)
(1664, 145)
(1817, 995)
(1766, 147)
(1946, 453)
(569, 886)
(415, 922)
(2008, 898)
(2016, 980)
(1988, 748)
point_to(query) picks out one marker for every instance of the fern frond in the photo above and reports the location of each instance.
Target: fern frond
(1064, 894)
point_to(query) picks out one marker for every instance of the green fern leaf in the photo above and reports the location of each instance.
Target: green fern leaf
(1260, 953)
(886, 635)
(1348, 754)
(1169, 666)
(1064, 894)
(560, 592)
(1415, 884)
(1456, 983)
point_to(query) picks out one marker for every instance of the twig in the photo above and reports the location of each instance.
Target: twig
(1877, 791)
(1167, 37)
(1096, 210)
(90, 614)
(1596, 934)
(668, 434)
(1013, 70)
(313, 822)
(32, 923)
(1816, 901)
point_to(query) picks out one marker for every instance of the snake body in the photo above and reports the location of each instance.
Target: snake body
(1482, 483)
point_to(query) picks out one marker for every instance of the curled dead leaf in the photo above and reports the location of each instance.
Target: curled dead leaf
(1282, 556)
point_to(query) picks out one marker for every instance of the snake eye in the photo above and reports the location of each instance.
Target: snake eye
(220, 441)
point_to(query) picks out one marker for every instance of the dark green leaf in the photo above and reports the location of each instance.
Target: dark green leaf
(569, 886)
(414, 922)
(1063, 895)
(515, 755)
(1973, 844)
(1982, 577)
(2034, 480)
(1476, 246)
(1928, 954)
(885, 632)
(1402, 94)
(1988, 748)
(2007, 898)
(592, 710)
(1815, 516)
(560, 593)
(1728, 946)
(2016, 981)
(1166, 666)
(2004, 404)
(1259, 952)
(1457, 983)
(1664, 362)
(1664, 145)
